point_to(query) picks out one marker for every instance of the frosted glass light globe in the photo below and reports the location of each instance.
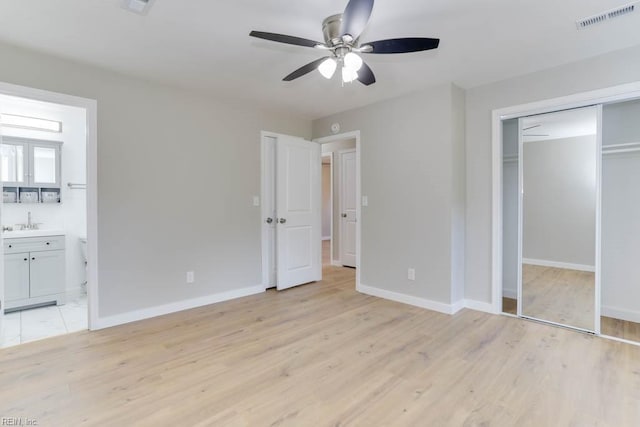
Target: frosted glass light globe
(328, 68)
(352, 61)
(349, 74)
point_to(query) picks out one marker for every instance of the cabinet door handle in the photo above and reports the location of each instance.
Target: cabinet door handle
(10, 246)
(48, 243)
(26, 259)
(33, 259)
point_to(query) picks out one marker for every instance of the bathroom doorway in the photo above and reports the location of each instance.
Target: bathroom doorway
(44, 215)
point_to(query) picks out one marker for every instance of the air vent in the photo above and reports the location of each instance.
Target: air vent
(605, 16)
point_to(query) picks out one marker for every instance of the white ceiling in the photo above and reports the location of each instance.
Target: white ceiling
(561, 124)
(204, 44)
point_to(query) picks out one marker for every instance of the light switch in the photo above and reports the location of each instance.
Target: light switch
(256, 201)
(365, 201)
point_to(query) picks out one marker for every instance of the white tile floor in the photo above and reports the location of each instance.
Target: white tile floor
(30, 325)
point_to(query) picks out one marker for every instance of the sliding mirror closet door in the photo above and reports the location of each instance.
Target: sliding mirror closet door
(510, 264)
(621, 220)
(558, 168)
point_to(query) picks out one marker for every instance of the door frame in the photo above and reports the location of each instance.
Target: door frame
(619, 93)
(340, 137)
(331, 204)
(91, 108)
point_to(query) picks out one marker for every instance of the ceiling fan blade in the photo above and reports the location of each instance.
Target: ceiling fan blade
(365, 75)
(406, 45)
(306, 69)
(282, 38)
(355, 17)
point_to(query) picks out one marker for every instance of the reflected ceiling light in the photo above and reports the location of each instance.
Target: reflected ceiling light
(35, 123)
(328, 68)
(137, 6)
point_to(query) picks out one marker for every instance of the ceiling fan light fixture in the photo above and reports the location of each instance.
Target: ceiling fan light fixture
(352, 61)
(328, 68)
(349, 74)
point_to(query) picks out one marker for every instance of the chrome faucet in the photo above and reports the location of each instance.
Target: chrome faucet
(30, 225)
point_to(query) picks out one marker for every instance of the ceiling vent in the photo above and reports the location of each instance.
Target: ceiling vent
(605, 16)
(137, 6)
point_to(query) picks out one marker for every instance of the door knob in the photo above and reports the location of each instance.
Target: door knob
(344, 215)
(283, 220)
(269, 220)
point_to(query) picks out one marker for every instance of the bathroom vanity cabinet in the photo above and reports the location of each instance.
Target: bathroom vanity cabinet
(34, 271)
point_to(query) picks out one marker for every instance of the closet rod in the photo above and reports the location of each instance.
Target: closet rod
(621, 150)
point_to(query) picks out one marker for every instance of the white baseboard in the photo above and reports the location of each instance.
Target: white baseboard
(479, 306)
(440, 307)
(326, 238)
(336, 263)
(147, 313)
(621, 313)
(556, 264)
(510, 293)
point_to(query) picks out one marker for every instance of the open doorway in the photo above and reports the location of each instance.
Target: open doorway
(44, 216)
(327, 207)
(341, 241)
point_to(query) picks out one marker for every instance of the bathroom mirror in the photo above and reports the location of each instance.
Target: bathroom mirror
(558, 171)
(44, 164)
(12, 163)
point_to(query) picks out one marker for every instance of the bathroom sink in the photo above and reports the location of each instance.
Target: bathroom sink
(32, 233)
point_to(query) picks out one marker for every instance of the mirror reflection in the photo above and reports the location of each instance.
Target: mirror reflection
(621, 220)
(558, 205)
(510, 216)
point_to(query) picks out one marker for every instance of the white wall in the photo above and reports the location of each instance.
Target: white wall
(411, 155)
(70, 215)
(559, 205)
(333, 148)
(326, 201)
(603, 71)
(177, 171)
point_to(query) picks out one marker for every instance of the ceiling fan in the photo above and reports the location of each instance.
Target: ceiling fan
(341, 41)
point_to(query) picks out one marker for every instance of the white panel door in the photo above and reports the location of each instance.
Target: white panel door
(269, 210)
(298, 207)
(347, 199)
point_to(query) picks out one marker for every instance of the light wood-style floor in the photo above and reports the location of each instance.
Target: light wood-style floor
(559, 295)
(326, 252)
(323, 355)
(566, 296)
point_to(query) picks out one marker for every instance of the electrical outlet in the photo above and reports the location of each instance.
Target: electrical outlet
(365, 201)
(256, 200)
(411, 274)
(191, 277)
